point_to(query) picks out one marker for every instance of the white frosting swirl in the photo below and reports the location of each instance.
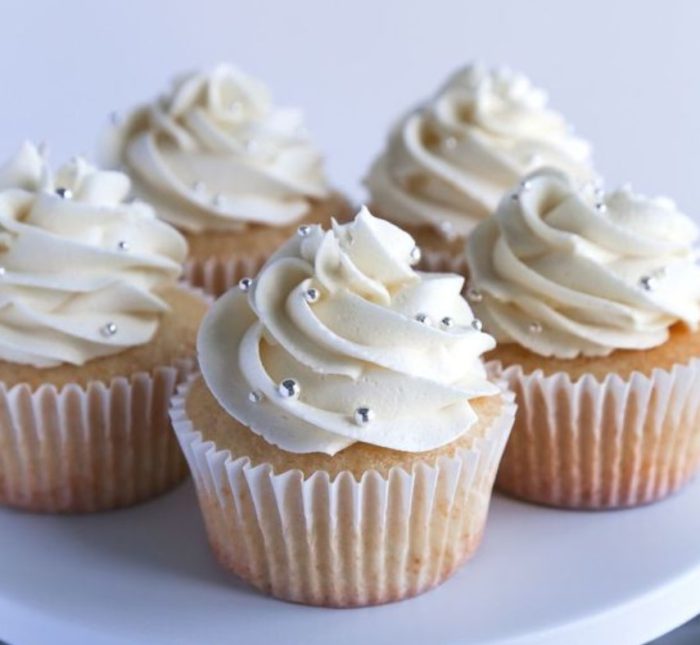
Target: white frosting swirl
(565, 272)
(448, 163)
(214, 154)
(71, 265)
(358, 345)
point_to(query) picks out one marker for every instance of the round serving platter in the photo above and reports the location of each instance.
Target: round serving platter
(145, 575)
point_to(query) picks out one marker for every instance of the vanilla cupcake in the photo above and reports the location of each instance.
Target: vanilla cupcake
(594, 300)
(95, 335)
(344, 438)
(447, 164)
(234, 173)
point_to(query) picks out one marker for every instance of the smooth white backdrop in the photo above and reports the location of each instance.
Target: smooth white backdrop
(625, 73)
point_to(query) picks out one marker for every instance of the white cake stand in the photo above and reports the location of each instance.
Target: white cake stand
(145, 575)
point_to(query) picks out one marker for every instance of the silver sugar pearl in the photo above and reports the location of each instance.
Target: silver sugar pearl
(450, 143)
(446, 322)
(415, 255)
(447, 230)
(363, 415)
(601, 207)
(244, 284)
(515, 196)
(289, 389)
(648, 283)
(123, 245)
(312, 295)
(477, 325)
(109, 329)
(424, 319)
(255, 396)
(64, 193)
(303, 230)
(2, 271)
(534, 327)
(526, 185)
(474, 295)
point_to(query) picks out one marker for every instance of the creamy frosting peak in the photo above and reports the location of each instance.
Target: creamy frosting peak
(448, 163)
(78, 266)
(214, 154)
(339, 340)
(567, 272)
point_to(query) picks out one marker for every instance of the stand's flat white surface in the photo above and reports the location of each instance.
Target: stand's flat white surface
(145, 575)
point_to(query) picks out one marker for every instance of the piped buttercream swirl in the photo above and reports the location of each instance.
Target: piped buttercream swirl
(376, 352)
(79, 266)
(448, 163)
(214, 154)
(566, 272)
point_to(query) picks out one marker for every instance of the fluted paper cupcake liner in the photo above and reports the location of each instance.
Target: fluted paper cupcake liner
(216, 276)
(343, 542)
(98, 447)
(596, 445)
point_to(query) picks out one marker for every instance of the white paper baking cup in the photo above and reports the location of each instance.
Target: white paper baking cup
(94, 447)
(215, 276)
(98, 447)
(596, 445)
(343, 542)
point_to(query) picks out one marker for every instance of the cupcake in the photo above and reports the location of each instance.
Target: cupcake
(447, 164)
(233, 173)
(344, 438)
(594, 300)
(95, 335)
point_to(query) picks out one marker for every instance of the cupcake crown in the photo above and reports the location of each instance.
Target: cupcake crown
(448, 163)
(567, 272)
(213, 154)
(340, 340)
(78, 266)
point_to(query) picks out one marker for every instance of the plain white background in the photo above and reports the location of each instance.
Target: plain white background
(625, 73)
